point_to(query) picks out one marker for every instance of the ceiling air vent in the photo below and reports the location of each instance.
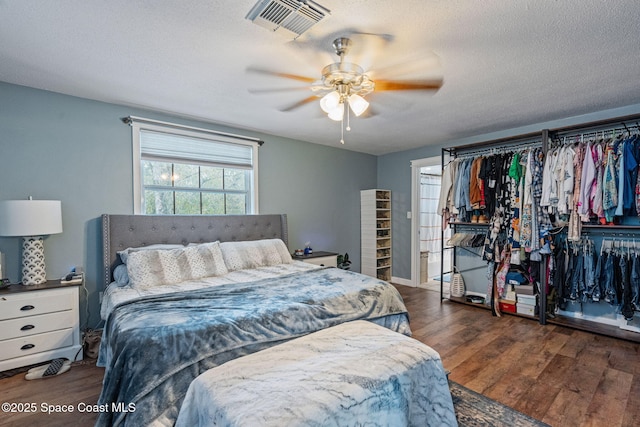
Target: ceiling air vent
(288, 17)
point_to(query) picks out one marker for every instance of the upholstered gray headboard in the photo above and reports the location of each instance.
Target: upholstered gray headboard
(127, 231)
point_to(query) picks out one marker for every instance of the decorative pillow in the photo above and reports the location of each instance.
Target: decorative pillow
(120, 275)
(165, 267)
(255, 253)
(124, 254)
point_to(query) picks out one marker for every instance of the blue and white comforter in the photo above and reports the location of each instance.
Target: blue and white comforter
(153, 347)
(353, 374)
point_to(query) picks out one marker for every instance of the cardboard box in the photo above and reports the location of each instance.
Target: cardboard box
(529, 310)
(507, 306)
(524, 289)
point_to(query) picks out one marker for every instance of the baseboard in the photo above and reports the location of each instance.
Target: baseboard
(403, 282)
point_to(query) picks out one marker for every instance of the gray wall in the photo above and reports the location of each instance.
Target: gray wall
(78, 151)
(394, 173)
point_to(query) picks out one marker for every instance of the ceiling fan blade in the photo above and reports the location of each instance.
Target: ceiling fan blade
(281, 89)
(283, 75)
(409, 68)
(385, 85)
(300, 103)
(367, 49)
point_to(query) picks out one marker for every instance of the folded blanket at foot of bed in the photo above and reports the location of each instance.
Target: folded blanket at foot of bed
(356, 373)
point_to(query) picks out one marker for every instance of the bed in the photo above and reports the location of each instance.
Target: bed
(158, 339)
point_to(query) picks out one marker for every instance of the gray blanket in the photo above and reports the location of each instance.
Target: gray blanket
(320, 380)
(154, 347)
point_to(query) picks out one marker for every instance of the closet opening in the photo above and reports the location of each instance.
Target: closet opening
(428, 258)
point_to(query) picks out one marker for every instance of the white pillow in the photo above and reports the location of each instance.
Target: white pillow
(159, 267)
(124, 254)
(254, 253)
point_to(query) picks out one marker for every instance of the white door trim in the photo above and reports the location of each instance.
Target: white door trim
(416, 165)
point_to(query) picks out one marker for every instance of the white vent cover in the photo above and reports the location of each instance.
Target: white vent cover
(288, 17)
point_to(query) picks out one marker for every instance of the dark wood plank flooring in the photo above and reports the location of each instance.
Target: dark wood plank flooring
(564, 377)
(561, 376)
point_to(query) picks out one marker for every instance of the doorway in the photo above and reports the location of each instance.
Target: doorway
(427, 257)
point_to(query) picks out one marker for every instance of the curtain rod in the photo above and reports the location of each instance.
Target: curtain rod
(131, 119)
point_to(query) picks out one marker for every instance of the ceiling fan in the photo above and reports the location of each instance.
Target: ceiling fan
(344, 86)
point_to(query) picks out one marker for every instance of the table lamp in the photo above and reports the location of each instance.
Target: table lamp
(31, 220)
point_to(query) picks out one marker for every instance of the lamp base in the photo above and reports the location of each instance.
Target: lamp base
(33, 265)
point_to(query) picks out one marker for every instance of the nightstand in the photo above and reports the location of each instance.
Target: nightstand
(329, 259)
(39, 323)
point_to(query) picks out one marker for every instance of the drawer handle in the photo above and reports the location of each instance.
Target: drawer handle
(27, 347)
(27, 327)
(27, 308)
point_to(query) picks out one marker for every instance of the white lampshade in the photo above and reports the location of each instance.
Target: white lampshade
(358, 104)
(30, 217)
(330, 101)
(337, 113)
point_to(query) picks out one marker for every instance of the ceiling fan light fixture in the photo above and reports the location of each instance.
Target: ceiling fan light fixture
(330, 101)
(358, 104)
(337, 113)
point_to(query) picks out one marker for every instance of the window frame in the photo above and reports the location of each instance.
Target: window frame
(139, 124)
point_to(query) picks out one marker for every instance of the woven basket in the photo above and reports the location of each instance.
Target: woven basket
(457, 284)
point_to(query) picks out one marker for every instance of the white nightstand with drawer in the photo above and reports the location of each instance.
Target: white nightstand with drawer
(39, 323)
(328, 259)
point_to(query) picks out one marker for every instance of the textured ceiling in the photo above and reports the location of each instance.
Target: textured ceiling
(505, 64)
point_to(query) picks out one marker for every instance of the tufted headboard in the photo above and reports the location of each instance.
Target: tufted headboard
(125, 231)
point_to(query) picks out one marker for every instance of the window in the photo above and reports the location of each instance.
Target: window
(179, 170)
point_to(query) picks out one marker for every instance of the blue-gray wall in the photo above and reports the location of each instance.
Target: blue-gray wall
(394, 173)
(78, 151)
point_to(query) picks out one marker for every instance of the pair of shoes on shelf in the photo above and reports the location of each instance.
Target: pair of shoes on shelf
(51, 369)
(466, 241)
(478, 241)
(483, 219)
(474, 218)
(456, 239)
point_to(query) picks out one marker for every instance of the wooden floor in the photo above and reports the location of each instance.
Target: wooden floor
(561, 376)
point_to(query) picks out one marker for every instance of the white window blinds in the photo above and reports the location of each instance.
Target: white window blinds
(157, 145)
(171, 143)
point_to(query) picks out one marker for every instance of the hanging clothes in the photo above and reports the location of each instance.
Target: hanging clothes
(446, 207)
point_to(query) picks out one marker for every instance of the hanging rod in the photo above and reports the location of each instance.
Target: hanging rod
(512, 148)
(598, 124)
(619, 127)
